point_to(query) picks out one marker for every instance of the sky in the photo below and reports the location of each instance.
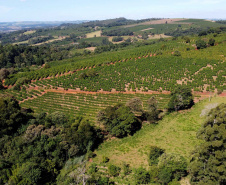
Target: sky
(71, 10)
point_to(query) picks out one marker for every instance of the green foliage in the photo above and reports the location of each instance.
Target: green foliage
(82, 135)
(93, 168)
(201, 44)
(117, 32)
(211, 42)
(126, 169)
(117, 39)
(181, 98)
(105, 159)
(56, 118)
(171, 166)
(141, 176)
(207, 165)
(119, 120)
(135, 105)
(11, 117)
(154, 154)
(176, 53)
(113, 170)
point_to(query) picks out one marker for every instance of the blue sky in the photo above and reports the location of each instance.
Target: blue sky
(61, 10)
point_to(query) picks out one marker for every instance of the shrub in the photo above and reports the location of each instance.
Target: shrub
(141, 176)
(201, 44)
(126, 169)
(105, 159)
(171, 166)
(117, 39)
(113, 170)
(211, 42)
(176, 53)
(154, 154)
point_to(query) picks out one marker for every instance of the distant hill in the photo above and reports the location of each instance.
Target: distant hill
(15, 26)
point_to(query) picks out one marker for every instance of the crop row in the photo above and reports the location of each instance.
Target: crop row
(77, 63)
(156, 73)
(85, 104)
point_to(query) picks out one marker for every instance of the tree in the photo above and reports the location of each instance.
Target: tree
(135, 105)
(211, 42)
(11, 117)
(208, 160)
(201, 44)
(4, 73)
(119, 120)
(181, 98)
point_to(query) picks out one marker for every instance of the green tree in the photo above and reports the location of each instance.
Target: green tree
(201, 44)
(181, 98)
(207, 165)
(119, 120)
(135, 104)
(11, 117)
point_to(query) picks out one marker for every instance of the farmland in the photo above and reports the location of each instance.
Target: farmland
(110, 110)
(84, 104)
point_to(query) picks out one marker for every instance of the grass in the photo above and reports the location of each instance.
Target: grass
(29, 32)
(92, 34)
(176, 133)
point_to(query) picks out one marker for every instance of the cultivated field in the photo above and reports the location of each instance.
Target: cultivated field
(86, 105)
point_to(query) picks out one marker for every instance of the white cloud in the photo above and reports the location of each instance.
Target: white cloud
(23, 0)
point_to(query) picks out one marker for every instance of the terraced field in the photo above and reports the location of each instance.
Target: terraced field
(86, 105)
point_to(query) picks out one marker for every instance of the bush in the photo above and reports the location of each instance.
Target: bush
(141, 176)
(117, 39)
(211, 42)
(201, 44)
(105, 159)
(176, 53)
(172, 166)
(154, 154)
(126, 169)
(113, 170)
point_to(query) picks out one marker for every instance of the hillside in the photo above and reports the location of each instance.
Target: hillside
(116, 101)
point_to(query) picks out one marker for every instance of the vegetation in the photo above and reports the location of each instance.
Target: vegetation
(207, 163)
(119, 120)
(44, 143)
(181, 98)
(111, 116)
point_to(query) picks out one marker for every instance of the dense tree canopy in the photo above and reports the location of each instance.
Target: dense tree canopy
(208, 160)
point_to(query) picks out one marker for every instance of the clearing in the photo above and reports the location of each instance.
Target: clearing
(92, 34)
